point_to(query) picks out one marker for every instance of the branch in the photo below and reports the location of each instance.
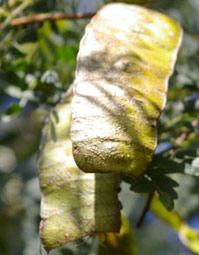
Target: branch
(145, 210)
(190, 32)
(51, 17)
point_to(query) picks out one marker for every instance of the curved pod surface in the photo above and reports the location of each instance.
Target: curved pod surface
(124, 63)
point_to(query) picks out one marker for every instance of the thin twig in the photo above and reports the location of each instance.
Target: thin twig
(40, 248)
(39, 18)
(82, 242)
(145, 210)
(191, 32)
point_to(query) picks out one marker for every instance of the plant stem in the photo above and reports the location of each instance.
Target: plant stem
(39, 18)
(144, 211)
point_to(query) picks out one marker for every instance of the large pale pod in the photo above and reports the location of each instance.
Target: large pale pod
(125, 60)
(73, 204)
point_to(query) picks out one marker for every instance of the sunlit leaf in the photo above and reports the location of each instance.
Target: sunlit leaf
(187, 235)
(74, 204)
(3, 12)
(125, 60)
(29, 49)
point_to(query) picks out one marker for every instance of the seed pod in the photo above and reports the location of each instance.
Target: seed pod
(73, 204)
(125, 60)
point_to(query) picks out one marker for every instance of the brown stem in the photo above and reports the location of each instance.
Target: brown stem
(190, 32)
(83, 242)
(145, 210)
(39, 18)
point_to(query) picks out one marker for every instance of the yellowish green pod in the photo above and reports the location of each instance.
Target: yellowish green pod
(74, 204)
(124, 63)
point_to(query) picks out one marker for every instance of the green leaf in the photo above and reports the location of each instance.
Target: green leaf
(170, 190)
(155, 180)
(13, 109)
(166, 200)
(125, 60)
(29, 49)
(166, 165)
(142, 185)
(161, 179)
(74, 204)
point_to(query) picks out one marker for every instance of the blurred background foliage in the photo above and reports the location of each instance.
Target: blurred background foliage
(37, 65)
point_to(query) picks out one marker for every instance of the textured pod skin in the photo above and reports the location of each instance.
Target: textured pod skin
(125, 60)
(74, 204)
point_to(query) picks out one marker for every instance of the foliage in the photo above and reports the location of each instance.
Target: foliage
(37, 63)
